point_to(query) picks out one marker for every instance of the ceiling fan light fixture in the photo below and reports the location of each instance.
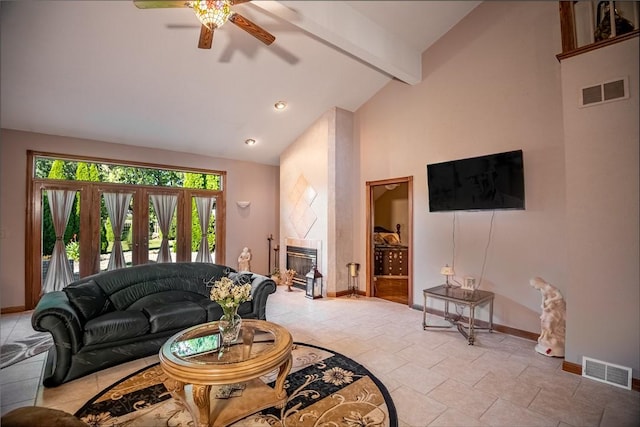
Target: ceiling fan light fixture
(212, 13)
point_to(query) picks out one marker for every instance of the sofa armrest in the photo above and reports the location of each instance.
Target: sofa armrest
(261, 288)
(55, 314)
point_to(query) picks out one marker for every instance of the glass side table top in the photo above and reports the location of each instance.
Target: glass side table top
(457, 293)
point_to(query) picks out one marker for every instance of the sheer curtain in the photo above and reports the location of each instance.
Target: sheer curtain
(165, 206)
(204, 205)
(59, 274)
(117, 206)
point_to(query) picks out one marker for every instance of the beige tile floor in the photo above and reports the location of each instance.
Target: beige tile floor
(434, 377)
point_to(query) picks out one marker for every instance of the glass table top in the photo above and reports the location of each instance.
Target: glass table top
(203, 345)
(458, 293)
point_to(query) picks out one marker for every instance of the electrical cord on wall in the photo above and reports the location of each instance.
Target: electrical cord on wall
(453, 237)
(453, 253)
(486, 249)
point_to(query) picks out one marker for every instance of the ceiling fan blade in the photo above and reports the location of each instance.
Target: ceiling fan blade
(206, 38)
(157, 4)
(251, 28)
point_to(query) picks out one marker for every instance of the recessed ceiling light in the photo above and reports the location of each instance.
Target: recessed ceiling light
(250, 141)
(280, 105)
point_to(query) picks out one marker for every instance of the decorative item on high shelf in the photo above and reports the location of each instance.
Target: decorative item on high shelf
(603, 22)
(229, 295)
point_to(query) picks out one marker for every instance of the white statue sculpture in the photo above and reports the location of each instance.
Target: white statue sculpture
(244, 259)
(552, 319)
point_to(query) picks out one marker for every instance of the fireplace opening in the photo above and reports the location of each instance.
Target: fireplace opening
(302, 261)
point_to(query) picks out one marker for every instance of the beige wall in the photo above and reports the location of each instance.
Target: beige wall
(245, 181)
(491, 84)
(602, 206)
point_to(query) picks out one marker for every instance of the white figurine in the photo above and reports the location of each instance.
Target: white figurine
(552, 319)
(244, 260)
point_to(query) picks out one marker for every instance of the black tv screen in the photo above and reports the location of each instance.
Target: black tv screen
(489, 182)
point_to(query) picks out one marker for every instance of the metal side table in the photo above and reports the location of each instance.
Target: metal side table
(466, 297)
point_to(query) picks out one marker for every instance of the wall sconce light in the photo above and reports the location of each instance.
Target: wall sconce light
(243, 203)
(447, 272)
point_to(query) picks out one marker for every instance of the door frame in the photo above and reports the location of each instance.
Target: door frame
(370, 220)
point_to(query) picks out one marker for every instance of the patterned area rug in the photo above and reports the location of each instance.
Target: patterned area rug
(324, 388)
(16, 351)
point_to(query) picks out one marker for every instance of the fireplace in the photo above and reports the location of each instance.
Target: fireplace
(302, 261)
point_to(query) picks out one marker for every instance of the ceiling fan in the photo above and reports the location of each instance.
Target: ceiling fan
(213, 14)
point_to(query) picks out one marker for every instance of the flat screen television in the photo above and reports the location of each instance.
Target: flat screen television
(495, 181)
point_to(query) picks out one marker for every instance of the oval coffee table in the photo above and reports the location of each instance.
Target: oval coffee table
(203, 380)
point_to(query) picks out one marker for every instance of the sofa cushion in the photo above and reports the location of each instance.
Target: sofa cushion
(175, 315)
(212, 308)
(165, 297)
(115, 326)
(125, 286)
(89, 299)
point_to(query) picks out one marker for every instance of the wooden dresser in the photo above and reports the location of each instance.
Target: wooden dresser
(391, 261)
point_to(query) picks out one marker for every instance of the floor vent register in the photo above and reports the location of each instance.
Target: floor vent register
(619, 376)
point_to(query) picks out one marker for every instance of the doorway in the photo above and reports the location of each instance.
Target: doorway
(390, 240)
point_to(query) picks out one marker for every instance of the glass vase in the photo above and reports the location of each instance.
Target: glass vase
(229, 325)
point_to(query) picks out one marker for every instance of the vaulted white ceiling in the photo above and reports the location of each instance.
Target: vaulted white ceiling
(109, 71)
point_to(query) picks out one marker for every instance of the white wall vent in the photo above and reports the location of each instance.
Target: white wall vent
(619, 376)
(611, 90)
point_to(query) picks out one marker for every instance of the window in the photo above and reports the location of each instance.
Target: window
(117, 215)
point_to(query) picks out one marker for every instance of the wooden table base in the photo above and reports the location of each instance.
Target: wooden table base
(209, 411)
